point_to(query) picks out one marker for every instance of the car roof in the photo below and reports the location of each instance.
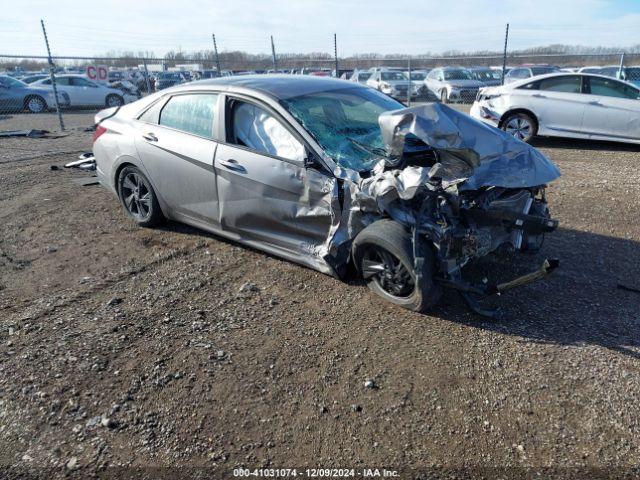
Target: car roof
(280, 87)
(563, 74)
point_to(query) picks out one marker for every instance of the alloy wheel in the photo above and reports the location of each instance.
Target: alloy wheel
(519, 127)
(35, 105)
(388, 272)
(136, 195)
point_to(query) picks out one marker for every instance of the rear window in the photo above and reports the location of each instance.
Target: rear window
(610, 88)
(190, 113)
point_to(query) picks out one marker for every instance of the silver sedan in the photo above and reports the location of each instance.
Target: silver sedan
(316, 170)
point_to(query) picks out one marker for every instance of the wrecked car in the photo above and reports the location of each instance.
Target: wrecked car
(331, 175)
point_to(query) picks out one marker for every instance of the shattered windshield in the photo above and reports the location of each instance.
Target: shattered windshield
(344, 122)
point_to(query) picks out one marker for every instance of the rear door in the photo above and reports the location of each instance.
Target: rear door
(613, 109)
(266, 193)
(176, 143)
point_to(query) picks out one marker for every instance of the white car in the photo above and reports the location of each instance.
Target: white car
(85, 92)
(571, 105)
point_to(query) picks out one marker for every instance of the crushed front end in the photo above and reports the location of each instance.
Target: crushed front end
(464, 189)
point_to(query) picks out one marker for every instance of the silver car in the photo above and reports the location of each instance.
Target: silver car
(390, 82)
(452, 84)
(328, 173)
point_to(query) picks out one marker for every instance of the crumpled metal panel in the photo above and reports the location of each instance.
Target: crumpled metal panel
(472, 154)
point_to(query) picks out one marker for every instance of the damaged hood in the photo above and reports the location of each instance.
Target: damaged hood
(471, 154)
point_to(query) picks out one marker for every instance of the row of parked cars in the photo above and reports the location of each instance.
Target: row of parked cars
(447, 84)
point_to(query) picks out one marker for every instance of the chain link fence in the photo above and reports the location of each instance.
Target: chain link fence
(58, 87)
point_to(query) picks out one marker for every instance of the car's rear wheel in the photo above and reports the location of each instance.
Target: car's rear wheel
(114, 100)
(138, 198)
(521, 125)
(35, 104)
(383, 255)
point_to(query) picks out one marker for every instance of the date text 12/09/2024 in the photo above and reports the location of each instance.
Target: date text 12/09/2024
(315, 472)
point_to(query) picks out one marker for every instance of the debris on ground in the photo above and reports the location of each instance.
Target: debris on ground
(86, 161)
(628, 288)
(32, 133)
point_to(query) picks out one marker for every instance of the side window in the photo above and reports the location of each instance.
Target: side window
(64, 81)
(530, 86)
(190, 113)
(255, 128)
(47, 82)
(81, 82)
(152, 114)
(610, 88)
(566, 84)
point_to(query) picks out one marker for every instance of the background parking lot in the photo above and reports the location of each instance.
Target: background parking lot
(122, 346)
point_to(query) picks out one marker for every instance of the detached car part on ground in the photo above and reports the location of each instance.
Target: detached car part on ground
(325, 174)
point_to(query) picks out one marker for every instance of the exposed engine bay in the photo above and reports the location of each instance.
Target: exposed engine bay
(464, 189)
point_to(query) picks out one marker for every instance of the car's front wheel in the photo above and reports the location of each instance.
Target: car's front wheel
(521, 125)
(444, 96)
(383, 255)
(35, 104)
(138, 198)
(114, 100)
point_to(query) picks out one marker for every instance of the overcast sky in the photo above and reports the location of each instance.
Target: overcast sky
(383, 26)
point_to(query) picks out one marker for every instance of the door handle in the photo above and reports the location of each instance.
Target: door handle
(537, 95)
(150, 137)
(232, 164)
(595, 102)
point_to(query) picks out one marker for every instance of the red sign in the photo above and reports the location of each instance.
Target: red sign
(98, 73)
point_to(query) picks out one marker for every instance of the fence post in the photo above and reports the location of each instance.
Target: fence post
(52, 75)
(273, 54)
(409, 88)
(621, 69)
(215, 52)
(146, 76)
(504, 55)
(335, 53)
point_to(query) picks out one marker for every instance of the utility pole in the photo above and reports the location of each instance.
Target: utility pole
(335, 53)
(146, 76)
(52, 75)
(215, 52)
(273, 54)
(504, 55)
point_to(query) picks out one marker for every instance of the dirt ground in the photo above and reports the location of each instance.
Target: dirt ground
(137, 353)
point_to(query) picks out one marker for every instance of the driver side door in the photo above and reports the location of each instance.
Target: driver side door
(265, 191)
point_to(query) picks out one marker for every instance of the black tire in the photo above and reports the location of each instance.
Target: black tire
(394, 239)
(444, 96)
(35, 104)
(138, 197)
(114, 100)
(521, 125)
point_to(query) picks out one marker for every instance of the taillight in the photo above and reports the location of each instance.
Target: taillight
(98, 132)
